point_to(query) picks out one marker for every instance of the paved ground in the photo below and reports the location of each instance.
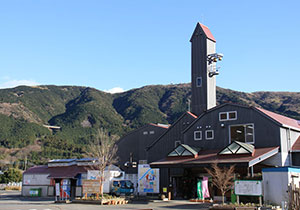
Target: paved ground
(13, 201)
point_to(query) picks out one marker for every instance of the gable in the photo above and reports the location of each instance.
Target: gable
(183, 122)
(205, 30)
(223, 121)
(169, 139)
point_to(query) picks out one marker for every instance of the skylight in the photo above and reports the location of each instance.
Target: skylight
(183, 150)
(237, 147)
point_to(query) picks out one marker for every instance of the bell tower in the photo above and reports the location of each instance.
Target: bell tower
(204, 58)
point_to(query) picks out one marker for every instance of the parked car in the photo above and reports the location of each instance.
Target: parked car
(122, 187)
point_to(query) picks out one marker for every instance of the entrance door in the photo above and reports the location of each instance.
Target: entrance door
(73, 189)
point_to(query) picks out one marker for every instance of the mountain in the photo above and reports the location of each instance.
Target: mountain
(79, 111)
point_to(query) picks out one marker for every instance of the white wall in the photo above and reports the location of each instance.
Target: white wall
(275, 185)
(36, 179)
(26, 189)
(276, 182)
(33, 181)
(287, 138)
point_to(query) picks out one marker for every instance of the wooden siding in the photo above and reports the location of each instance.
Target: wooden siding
(199, 69)
(266, 132)
(135, 143)
(166, 142)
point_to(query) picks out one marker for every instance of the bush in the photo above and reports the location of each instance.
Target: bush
(11, 175)
(19, 188)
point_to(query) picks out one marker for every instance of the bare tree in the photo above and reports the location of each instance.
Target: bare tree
(104, 150)
(222, 178)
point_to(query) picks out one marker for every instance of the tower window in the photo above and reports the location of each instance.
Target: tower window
(199, 82)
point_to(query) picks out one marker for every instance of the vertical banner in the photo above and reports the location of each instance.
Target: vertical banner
(205, 190)
(199, 189)
(148, 179)
(57, 189)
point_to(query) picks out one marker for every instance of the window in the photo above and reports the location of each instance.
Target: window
(242, 133)
(231, 115)
(197, 135)
(209, 134)
(199, 82)
(223, 116)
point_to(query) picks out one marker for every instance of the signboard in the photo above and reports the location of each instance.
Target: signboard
(148, 179)
(93, 174)
(90, 186)
(57, 190)
(248, 187)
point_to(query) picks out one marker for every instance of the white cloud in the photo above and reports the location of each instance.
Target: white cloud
(115, 90)
(15, 83)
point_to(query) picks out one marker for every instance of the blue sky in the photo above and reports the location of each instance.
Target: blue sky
(133, 43)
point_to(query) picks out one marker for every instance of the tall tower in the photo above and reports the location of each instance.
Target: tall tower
(204, 59)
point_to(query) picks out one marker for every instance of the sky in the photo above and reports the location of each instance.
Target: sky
(118, 45)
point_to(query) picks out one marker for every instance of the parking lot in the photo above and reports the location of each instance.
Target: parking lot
(10, 200)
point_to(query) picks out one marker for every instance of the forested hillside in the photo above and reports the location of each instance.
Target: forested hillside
(79, 111)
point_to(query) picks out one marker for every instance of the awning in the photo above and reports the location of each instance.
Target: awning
(211, 156)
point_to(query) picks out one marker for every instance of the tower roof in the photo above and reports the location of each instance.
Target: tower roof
(206, 31)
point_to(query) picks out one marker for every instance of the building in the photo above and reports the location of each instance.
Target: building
(132, 146)
(252, 138)
(68, 174)
(249, 137)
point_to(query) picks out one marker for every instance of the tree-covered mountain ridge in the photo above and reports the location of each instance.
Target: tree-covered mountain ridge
(79, 111)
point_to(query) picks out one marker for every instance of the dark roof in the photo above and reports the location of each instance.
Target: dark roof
(178, 120)
(61, 160)
(59, 172)
(68, 171)
(86, 160)
(211, 156)
(277, 118)
(138, 129)
(37, 170)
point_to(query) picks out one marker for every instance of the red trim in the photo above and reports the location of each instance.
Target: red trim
(207, 32)
(161, 126)
(190, 113)
(280, 118)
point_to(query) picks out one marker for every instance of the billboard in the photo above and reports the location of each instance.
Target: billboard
(148, 179)
(248, 187)
(90, 186)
